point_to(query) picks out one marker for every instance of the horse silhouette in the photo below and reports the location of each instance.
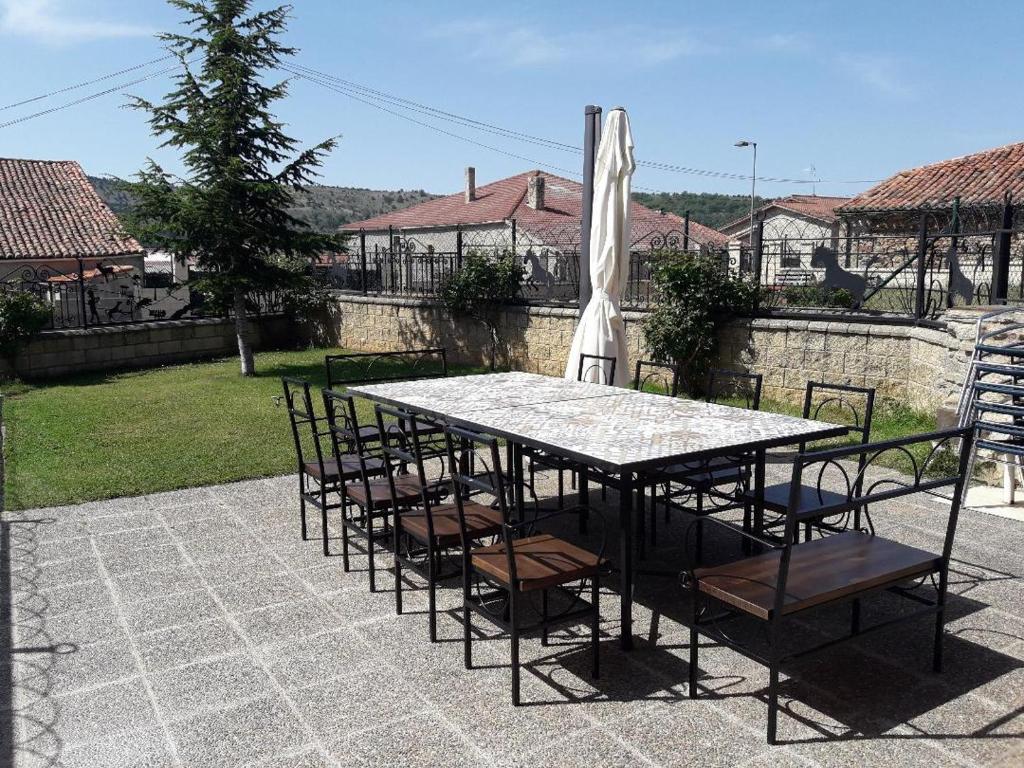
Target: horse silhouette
(835, 276)
(537, 275)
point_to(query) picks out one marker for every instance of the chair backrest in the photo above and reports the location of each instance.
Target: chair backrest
(363, 367)
(305, 425)
(482, 475)
(944, 465)
(845, 404)
(649, 375)
(597, 368)
(724, 384)
(401, 446)
(347, 443)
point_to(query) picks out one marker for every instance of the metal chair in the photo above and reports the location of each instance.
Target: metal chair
(587, 364)
(498, 579)
(724, 385)
(662, 378)
(364, 367)
(603, 366)
(687, 486)
(367, 499)
(424, 531)
(792, 579)
(320, 477)
(839, 404)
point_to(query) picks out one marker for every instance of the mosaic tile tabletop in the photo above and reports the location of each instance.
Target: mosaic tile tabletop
(457, 395)
(631, 429)
(606, 426)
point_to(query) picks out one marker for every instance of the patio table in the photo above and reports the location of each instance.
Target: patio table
(620, 431)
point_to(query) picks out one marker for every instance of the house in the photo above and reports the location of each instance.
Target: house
(794, 228)
(535, 215)
(59, 240)
(794, 217)
(980, 181)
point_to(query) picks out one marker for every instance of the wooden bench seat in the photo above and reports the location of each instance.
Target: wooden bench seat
(820, 571)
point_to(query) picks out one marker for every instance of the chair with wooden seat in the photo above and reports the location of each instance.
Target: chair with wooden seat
(843, 404)
(424, 532)
(597, 367)
(320, 475)
(500, 579)
(791, 579)
(367, 497)
(721, 479)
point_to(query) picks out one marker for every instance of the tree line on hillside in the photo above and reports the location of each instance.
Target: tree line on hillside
(323, 208)
(708, 208)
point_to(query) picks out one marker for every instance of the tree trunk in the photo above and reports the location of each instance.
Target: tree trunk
(242, 332)
(493, 329)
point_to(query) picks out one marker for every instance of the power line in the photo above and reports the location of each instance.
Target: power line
(432, 127)
(84, 83)
(415, 106)
(90, 97)
(401, 102)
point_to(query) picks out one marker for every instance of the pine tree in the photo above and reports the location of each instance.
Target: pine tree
(229, 212)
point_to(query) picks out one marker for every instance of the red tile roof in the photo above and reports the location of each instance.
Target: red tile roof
(817, 207)
(48, 209)
(978, 179)
(502, 200)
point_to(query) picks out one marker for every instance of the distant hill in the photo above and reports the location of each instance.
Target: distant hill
(708, 208)
(323, 208)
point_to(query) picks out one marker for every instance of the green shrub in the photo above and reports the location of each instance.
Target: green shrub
(694, 295)
(480, 288)
(818, 295)
(22, 316)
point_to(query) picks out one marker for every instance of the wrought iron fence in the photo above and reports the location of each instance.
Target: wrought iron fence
(82, 293)
(397, 263)
(917, 266)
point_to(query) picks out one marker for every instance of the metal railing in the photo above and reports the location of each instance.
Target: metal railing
(394, 263)
(918, 267)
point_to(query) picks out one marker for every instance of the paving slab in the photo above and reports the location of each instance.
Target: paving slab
(196, 628)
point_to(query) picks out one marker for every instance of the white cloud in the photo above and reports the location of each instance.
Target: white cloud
(523, 45)
(51, 21)
(876, 70)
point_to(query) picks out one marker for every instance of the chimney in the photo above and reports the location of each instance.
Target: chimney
(535, 192)
(470, 183)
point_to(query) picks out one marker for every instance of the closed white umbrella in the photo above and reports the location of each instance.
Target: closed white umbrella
(602, 330)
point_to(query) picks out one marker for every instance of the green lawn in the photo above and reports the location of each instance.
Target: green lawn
(103, 435)
(99, 436)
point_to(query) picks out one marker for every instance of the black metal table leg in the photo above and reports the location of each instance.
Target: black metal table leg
(519, 481)
(626, 566)
(759, 459)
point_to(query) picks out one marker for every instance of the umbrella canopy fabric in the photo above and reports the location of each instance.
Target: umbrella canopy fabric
(602, 330)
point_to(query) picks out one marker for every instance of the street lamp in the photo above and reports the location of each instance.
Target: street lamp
(753, 183)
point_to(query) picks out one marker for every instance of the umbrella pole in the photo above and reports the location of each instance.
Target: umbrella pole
(591, 141)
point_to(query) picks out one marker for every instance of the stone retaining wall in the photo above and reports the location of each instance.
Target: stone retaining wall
(138, 345)
(921, 366)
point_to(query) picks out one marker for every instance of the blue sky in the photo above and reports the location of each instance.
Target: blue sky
(856, 90)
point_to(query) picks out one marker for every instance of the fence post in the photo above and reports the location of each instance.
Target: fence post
(81, 293)
(686, 231)
(513, 237)
(1001, 257)
(362, 260)
(922, 247)
(458, 247)
(757, 250)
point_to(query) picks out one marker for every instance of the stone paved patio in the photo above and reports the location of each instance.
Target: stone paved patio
(196, 628)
